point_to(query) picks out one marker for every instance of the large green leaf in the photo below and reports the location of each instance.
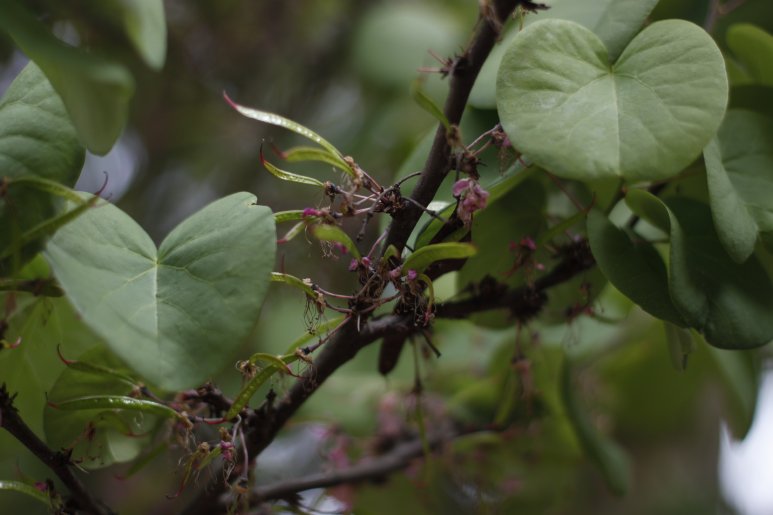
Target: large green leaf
(646, 116)
(730, 303)
(738, 168)
(614, 21)
(175, 314)
(95, 90)
(635, 268)
(36, 138)
(102, 436)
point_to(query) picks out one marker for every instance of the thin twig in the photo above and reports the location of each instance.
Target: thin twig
(369, 469)
(58, 462)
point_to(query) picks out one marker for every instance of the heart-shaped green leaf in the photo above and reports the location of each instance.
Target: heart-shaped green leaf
(636, 269)
(614, 21)
(644, 117)
(738, 168)
(175, 314)
(36, 139)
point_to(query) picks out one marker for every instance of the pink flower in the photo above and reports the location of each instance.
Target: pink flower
(310, 211)
(411, 275)
(472, 198)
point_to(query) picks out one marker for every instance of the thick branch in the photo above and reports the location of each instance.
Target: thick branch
(465, 71)
(58, 462)
(268, 420)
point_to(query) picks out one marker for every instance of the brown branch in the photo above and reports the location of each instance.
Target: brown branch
(464, 72)
(263, 425)
(58, 462)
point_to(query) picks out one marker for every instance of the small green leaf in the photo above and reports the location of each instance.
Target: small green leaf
(636, 269)
(117, 402)
(110, 427)
(425, 256)
(307, 337)
(246, 393)
(611, 459)
(281, 121)
(173, 314)
(644, 117)
(288, 216)
(289, 176)
(95, 90)
(328, 232)
(24, 488)
(648, 207)
(302, 154)
(738, 165)
(295, 282)
(426, 103)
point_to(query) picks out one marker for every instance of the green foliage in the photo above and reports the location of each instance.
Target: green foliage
(37, 139)
(600, 170)
(644, 116)
(161, 310)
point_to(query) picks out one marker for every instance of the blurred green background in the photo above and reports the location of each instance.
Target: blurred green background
(344, 68)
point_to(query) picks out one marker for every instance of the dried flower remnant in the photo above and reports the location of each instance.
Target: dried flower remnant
(472, 197)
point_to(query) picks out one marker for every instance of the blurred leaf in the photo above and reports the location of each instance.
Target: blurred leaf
(144, 24)
(95, 90)
(30, 369)
(100, 430)
(615, 22)
(680, 345)
(635, 268)
(738, 165)
(393, 41)
(753, 47)
(173, 314)
(646, 117)
(36, 140)
(740, 375)
(611, 459)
